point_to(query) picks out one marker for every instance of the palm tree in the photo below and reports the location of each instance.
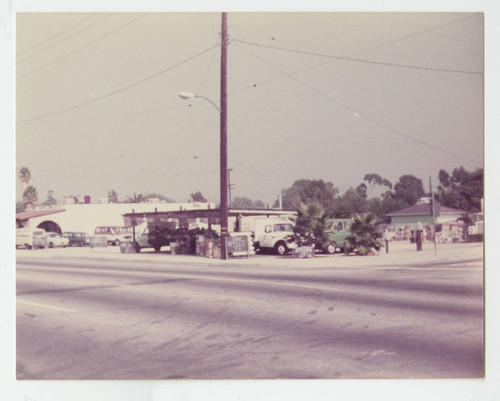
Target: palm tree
(24, 176)
(30, 197)
(135, 198)
(310, 225)
(364, 235)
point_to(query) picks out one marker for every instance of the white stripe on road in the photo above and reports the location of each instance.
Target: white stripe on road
(36, 304)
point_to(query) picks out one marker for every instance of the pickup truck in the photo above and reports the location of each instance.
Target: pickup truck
(274, 234)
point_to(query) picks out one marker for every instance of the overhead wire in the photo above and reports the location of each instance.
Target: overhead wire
(63, 40)
(355, 112)
(82, 48)
(359, 60)
(378, 46)
(54, 36)
(121, 89)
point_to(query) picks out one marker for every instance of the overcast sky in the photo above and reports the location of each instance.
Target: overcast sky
(329, 96)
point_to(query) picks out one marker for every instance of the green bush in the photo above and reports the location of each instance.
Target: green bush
(364, 235)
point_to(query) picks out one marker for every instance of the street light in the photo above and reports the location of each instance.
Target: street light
(223, 134)
(189, 95)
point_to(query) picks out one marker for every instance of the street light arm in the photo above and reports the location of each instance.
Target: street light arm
(210, 101)
(188, 95)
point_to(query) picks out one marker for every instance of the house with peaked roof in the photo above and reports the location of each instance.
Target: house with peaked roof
(449, 222)
(421, 212)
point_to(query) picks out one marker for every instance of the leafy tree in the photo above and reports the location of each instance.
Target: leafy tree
(242, 202)
(375, 179)
(361, 190)
(349, 203)
(364, 235)
(197, 197)
(112, 196)
(258, 204)
(310, 191)
(384, 205)
(408, 189)
(30, 196)
(444, 178)
(462, 190)
(51, 201)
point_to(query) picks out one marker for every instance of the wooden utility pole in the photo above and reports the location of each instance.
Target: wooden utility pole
(433, 215)
(223, 138)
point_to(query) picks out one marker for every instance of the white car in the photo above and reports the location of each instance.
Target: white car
(55, 239)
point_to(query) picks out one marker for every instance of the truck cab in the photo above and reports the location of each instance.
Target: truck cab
(274, 234)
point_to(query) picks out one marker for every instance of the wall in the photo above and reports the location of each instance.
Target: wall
(86, 217)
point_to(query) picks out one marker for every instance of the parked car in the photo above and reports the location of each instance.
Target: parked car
(76, 238)
(56, 239)
(114, 234)
(31, 238)
(338, 231)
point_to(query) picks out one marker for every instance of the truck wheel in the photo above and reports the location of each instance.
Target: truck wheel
(280, 248)
(331, 248)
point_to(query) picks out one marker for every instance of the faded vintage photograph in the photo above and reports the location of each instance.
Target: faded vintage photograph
(243, 195)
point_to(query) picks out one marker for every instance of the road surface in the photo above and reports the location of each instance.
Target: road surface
(105, 319)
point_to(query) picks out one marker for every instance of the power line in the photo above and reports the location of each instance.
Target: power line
(359, 60)
(54, 36)
(121, 89)
(104, 116)
(357, 113)
(81, 48)
(63, 40)
(398, 40)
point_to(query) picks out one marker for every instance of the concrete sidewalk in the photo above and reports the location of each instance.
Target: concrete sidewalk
(401, 254)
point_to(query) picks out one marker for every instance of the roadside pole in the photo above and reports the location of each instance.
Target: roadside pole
(433, 215)
(223, 141)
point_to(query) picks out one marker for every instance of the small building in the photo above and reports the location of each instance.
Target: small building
(85, 217)
(450, 223)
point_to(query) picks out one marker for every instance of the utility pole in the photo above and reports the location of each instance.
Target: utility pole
(223, 138)
(433, 215)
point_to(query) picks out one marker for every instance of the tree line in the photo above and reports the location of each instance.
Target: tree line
(461, 189)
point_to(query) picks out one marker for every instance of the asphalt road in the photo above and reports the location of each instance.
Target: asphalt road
(98, 319)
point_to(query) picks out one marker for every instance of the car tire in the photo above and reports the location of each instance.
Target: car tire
(51, 245)
(117, 242)
(280, 248)
(331, 248)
